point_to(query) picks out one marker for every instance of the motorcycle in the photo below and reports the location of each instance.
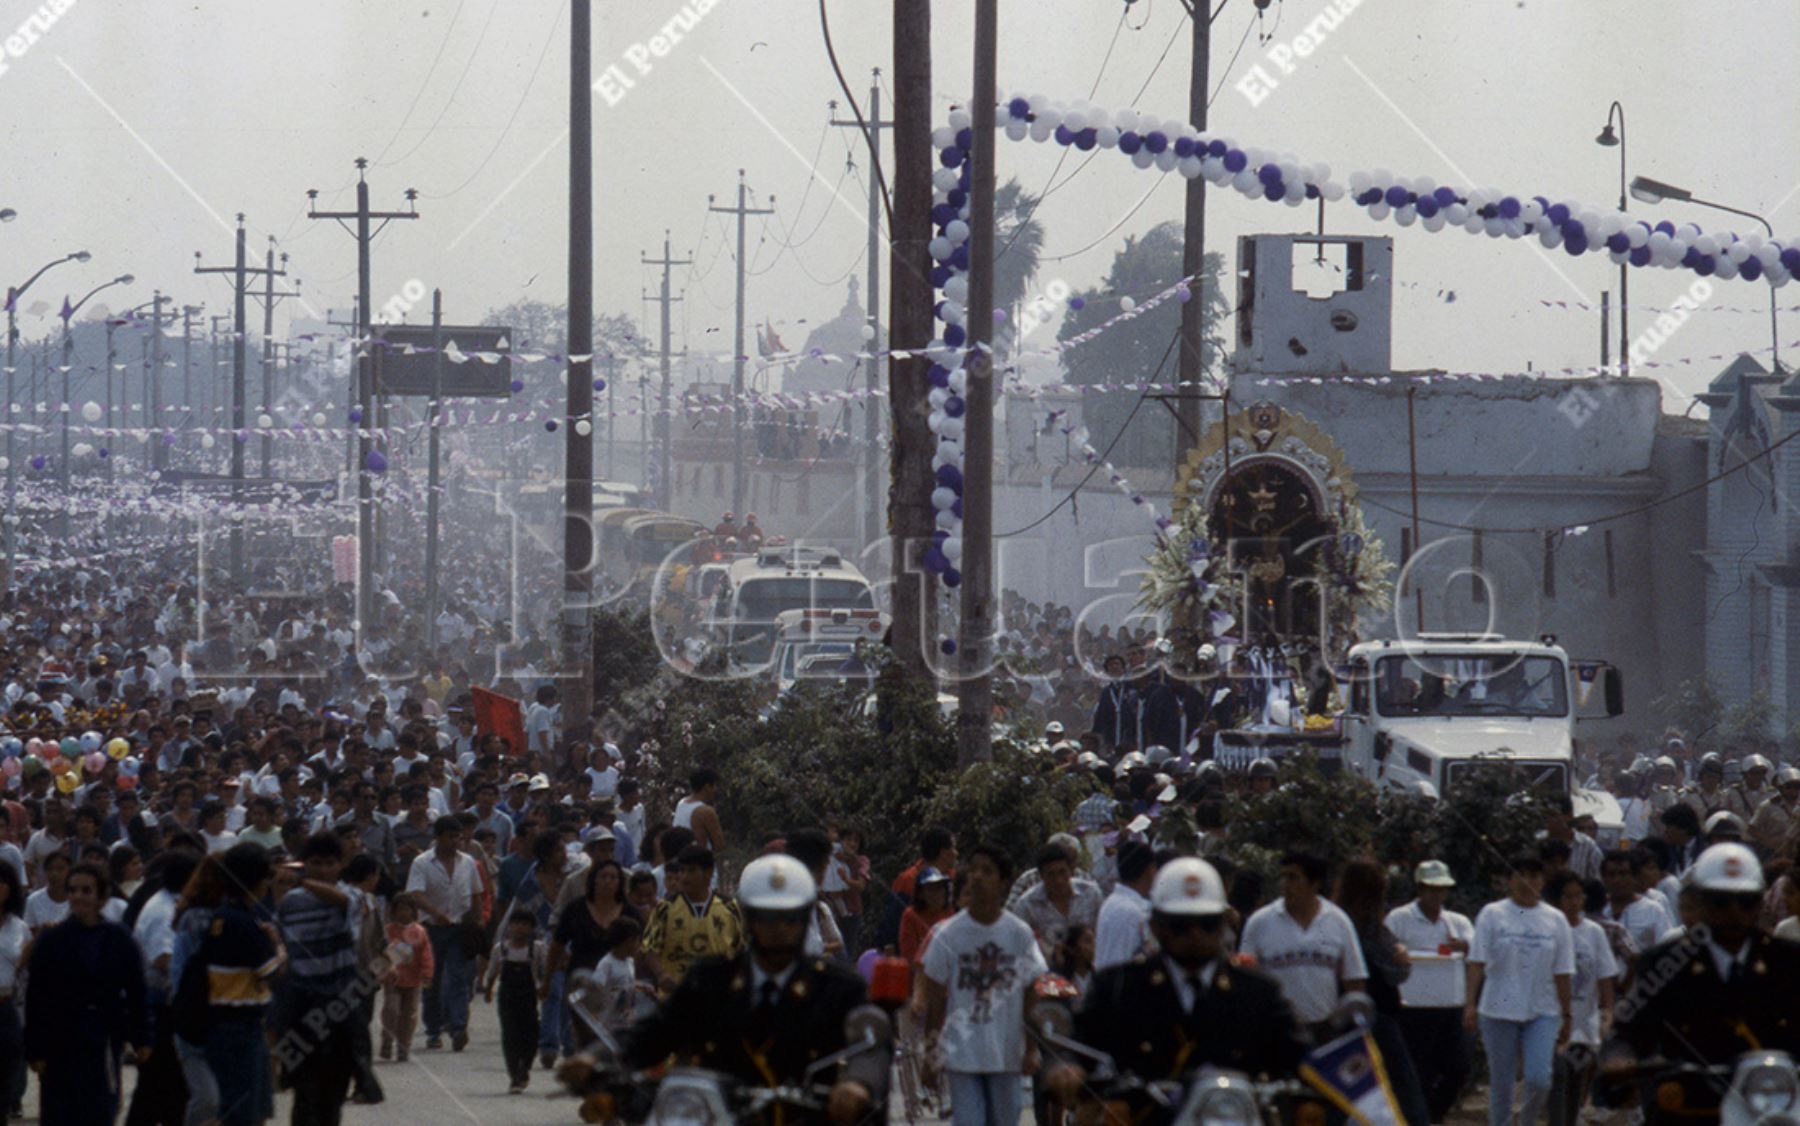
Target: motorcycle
(1211, 1097)
(692, 1096)
(1760, 1088)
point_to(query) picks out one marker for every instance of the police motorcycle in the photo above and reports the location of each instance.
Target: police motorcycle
(1760, 1086)
(612, 1091)
(1211, 1096)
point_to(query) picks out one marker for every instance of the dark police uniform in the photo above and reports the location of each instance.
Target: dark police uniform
(713, 1020)
(1133, 1013)
(1680, 1009)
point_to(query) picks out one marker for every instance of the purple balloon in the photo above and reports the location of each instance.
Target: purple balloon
(550, 425)
(948, 645)
(1184, 295)
(865, 965)
(378, 462)
(355, 415)
(1077, 303)
(599, 384)
(38, 462)
(517, 385)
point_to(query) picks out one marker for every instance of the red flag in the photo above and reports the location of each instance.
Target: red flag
(500, 715)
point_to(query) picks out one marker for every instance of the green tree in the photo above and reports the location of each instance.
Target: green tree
(540, 326)
(1693, 708)
(1135, 350)
(1019, 239)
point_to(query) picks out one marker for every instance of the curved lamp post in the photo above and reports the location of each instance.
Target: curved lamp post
(1655, 191)
(13, 293)
(68, 348)
(1608, 138)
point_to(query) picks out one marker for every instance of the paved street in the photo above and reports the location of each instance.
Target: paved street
(443, 1088)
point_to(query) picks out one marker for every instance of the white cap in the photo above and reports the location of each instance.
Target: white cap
(1188, 887)
(539, 782)
(776, 883)
(1728, 867)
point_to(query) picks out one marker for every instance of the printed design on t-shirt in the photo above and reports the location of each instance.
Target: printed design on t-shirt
(1327, 956)
(983, 970)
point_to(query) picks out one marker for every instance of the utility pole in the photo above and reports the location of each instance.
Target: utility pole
(1192, 368)
(431, 479)
(665, 489)
(269, 298)
(365, 380)
(241, 272)
(153, 382)
(737, 356)
(910, 302)
(187, 362)
(212, 384)
(871, 128)
(975, 707)
(578, 450)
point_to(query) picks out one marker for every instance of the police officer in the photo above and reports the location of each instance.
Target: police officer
(1664, 789)
(1716, 991)
(1747, 796)
(1707, 796)
(1162, 1017)
(767, 1014)
(1776, 825)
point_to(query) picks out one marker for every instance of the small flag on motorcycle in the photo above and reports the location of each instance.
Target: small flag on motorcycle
(1349, 1071)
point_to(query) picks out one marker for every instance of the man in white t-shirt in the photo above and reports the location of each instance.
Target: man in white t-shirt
(1122, 930)
(1437, 939)
(1521, 970)
(979, 968)
(1590, 996)
(542, 719)
(1642, 917)
(1306, 942)
(602, 775)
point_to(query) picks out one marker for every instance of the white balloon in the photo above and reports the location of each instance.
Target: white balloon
(1332, 191)
(1551, 236)
(943, 137)
(1768, 256)
(1456, 213)
(1191, 166)
(956, 231)
(939, 248)
(1126, 120)
(1726, 267)
(1143, 158)
(1107, 136)
(953, 549)
(936, 421)
(1706, 244)
(81, 449)
(959, 381)
(1359, 182)
(1379, 210)
(1433, 224)
(583, 427)
(1075, 121)
(936, 397)
(1754, 240)
(868, 333)
(1296, 192)
(92, 411)
(1738, 252)
(942, 497)
(1406, 216)
(960, 119)
(952, 429)
(1637, 235)
(1166, 160)
(1127, 304)
(264, 422)
(945, 179)
(957, 288)
(1041, 131)
(1017, 130)
(1495, 227)
(948, 521)
(1531, 211)
(207, 441)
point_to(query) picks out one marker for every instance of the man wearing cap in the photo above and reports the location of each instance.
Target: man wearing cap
(1777, 820)
(1746, 795)
(1707, 795)
(1431, 1017)
(1717, 991)
(1167, 1015)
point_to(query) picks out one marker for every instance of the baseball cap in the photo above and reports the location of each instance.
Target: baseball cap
(1433, 874)
(539, 783)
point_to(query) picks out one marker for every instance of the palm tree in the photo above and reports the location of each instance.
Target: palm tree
(1018, 241)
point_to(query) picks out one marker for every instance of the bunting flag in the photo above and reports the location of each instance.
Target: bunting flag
(1349, 1071)
(500, 715)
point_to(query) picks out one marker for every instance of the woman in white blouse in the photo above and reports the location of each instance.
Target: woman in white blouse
(1521, 967)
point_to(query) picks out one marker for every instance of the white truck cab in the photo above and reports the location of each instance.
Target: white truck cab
(1429, 711)
(817, 644)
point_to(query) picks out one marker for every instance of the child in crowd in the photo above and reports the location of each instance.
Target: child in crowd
(623, 998)
(518, 964)
(410, 969)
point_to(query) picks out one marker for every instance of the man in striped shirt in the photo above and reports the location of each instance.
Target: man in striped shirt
(316, 1048)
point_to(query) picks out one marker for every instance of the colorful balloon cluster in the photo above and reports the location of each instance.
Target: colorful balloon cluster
(947, 376)
(1174, 146)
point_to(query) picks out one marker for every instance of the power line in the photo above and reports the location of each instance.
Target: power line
(426, 81)
(1126, 218)
(1607, 519)
(1107, 453)
(506, 130)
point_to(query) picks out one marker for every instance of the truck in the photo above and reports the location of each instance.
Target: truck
(757, 590)
(820, 644)
(1427, 712)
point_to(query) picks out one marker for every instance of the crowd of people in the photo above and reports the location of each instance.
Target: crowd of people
(241, 862)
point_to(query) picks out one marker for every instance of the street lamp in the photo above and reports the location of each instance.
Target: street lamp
(68, 349)
(1655, 191)
(1610, 139)
(13, 293)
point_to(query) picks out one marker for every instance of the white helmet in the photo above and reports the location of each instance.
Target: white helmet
(1757, 762)
(776, 883)
(1188, 887)
(1728, 867)
(1724, 821)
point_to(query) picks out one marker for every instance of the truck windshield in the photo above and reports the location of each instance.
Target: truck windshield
(1472, 685)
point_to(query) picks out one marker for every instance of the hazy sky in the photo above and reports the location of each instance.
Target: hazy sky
(220, 107)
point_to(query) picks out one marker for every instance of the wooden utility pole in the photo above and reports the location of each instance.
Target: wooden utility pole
(435, 410)
(188, 312)
(241, 272)
(1192, 367)
(738, 356)
(975, 692)
(365, 380)
(269, 298)
(664, 430)
(578, 451)
(911, 517)
(870, 128)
